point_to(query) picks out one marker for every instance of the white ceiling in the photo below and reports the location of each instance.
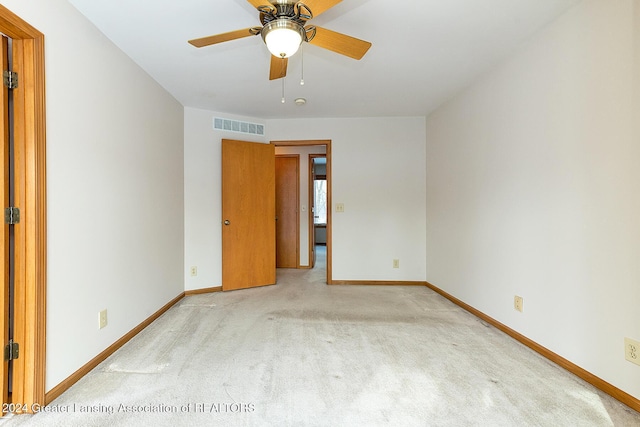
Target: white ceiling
(423, 52)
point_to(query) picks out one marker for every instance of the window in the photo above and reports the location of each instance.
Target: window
(320, 201)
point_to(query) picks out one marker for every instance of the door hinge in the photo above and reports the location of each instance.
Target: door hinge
(12, 215)
(11, 351)
(10, 79)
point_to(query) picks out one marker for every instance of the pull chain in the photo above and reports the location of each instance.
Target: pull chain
(283, 90)
(302, 57)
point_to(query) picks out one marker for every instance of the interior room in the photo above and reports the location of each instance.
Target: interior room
(481, 165)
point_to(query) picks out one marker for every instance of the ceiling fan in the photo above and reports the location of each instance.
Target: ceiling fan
(284, 28)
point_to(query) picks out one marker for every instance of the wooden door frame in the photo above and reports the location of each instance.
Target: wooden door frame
(4, 229)
(297, 157)
(30, 197)
(327, 144)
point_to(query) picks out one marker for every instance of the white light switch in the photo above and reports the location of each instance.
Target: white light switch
(102, 319)
(339, 207)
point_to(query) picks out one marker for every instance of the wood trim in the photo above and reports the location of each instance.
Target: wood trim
(587, 376)
(327, 144)
(298, 210)
(302, 143)
(14, 27)
(329, 216)
(203, 291)
(30, 197)
(84, 370)
(4, 228)
(378, 283)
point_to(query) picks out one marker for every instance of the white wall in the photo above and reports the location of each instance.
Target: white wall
(114, 185)
(533, 188)
(303, 209)
(203, 194)
(378, 173)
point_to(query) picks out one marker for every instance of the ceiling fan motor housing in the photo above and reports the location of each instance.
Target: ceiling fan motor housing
(296, 11)
(283, 26)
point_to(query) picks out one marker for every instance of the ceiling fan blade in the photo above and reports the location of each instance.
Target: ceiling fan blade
(278, 67)
(340, 43)
(219, 38)
(319, 6)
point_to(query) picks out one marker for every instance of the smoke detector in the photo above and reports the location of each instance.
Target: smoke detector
(300, 101)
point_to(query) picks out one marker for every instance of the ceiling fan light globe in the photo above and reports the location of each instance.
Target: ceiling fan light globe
(283, 43)
(282, 37)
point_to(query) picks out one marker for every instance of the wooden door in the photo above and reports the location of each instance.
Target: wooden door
(248, 215)
(287, 202)
(4, 234)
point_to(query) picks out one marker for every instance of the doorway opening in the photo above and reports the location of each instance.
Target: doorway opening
(318, 191)
(310, 150)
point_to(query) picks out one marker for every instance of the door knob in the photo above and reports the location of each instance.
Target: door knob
(227, 222)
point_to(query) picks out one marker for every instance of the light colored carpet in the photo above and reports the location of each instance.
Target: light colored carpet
(302, 353)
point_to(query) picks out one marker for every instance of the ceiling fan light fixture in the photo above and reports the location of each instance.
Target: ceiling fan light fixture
(283, 37)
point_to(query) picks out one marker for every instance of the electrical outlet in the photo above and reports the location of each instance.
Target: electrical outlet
(632, 351)
(518, 303)
(194, 271)
(396, 263)
(102, 319)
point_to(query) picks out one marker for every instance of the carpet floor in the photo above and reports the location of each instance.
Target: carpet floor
(302, 353)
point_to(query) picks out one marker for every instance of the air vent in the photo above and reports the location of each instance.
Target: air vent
(237, 126)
